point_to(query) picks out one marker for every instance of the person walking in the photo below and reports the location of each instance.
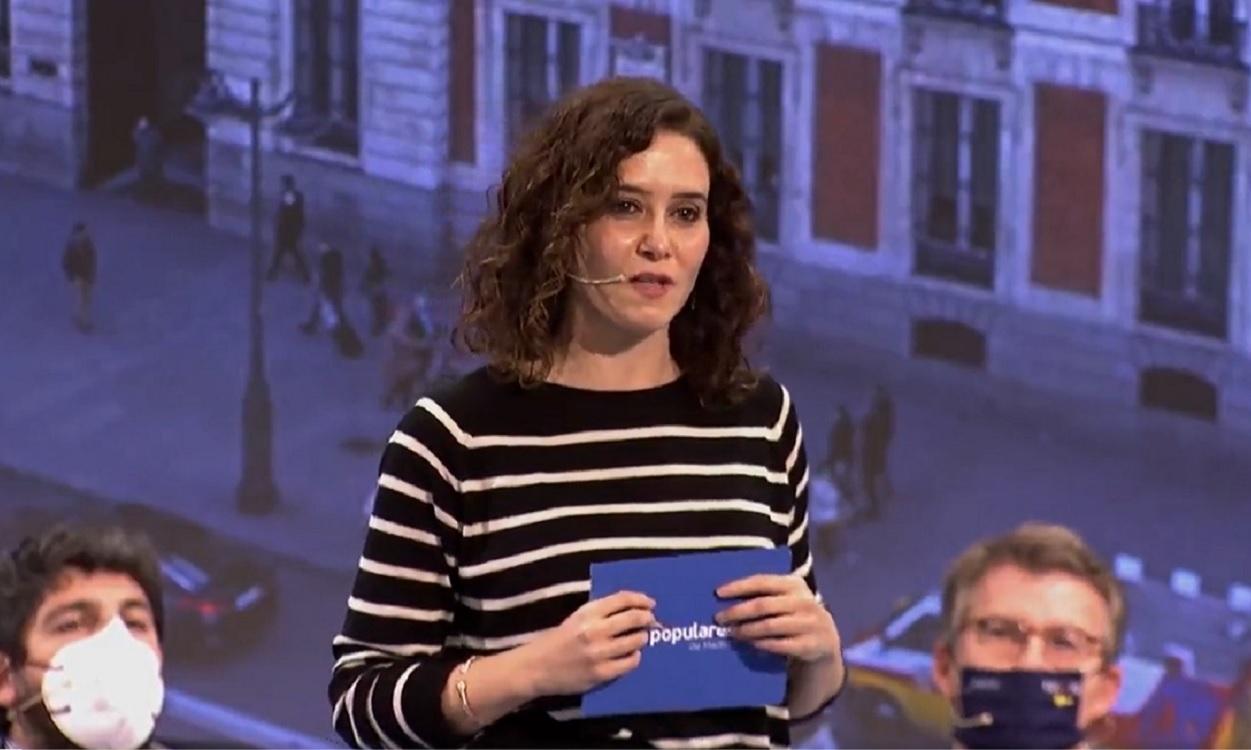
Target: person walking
(374, 286)
(149, 156)
(878, 430)
(79, 264)
(289, 230)
(840, 460)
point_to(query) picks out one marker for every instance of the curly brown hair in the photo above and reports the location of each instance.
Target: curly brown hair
(562, 176)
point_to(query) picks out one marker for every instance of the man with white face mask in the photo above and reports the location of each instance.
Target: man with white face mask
(1032, 621)
(80, 641)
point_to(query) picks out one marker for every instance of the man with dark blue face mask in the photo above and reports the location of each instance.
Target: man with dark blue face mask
(1032, 623)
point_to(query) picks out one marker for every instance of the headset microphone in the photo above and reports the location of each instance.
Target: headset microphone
(597, 282)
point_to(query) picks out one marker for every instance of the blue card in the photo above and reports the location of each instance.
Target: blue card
(690, 664)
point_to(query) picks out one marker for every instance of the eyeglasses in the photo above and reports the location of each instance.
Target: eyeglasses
(1064, 646)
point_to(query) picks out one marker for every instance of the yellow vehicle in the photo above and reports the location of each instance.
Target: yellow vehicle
(1179, 661)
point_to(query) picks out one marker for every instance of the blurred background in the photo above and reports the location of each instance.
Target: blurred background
(1009, 237)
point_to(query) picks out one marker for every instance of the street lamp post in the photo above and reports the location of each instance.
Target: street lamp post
(257, 494)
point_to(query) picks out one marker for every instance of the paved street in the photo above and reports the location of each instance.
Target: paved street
(148, 406)
(147, 409)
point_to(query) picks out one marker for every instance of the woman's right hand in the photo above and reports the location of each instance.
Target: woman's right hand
(602, 640)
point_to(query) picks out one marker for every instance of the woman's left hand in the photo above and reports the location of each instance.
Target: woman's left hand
(780, 615)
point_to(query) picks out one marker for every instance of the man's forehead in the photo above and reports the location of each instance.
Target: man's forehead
(1053, 597)
(106, 588)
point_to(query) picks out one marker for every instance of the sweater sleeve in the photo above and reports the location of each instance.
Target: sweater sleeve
(791, 443)
(391, 663)
(797, 473)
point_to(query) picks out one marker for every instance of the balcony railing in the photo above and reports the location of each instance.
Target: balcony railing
(1174, 28)
(976, 11)
(1183, 313)
(944, 261)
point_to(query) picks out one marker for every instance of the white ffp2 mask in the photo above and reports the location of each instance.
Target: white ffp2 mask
(105, 691)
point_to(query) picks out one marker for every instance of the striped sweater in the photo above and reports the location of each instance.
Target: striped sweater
(492, 503)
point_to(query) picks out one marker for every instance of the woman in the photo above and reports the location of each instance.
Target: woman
(610, 291)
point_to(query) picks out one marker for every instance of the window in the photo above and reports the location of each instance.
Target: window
(743, 97)
(6, 38)
(1200, 30)
(972, 10)
(1187, 191)
(543, 64)
(327, 73)
(1198, 20)
(956, 183)
(1222, 22)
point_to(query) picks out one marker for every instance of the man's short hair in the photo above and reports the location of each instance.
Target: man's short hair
(33, 569)
(1037, 548)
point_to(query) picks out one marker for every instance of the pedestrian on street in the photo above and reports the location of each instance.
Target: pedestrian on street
(374, 286)
(327, 308)
(617, 417)
(884, 410)
(877, 429)
(842, 451)
(79, 264)
(408, 362)
(827, 515)
(148, 156)
(289, 230)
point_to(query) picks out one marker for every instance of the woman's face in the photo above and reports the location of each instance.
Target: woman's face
(654, 232)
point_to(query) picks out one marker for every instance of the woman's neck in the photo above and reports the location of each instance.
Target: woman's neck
(646, 364)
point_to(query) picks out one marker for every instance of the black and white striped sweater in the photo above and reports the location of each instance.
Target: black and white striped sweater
(493, 502)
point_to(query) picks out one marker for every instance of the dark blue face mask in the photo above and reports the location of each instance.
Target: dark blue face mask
(1018, 709)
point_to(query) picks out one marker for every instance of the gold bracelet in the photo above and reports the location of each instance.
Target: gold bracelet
(462, 691)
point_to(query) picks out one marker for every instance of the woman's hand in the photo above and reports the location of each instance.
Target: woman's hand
(780, 615)
(600, 641)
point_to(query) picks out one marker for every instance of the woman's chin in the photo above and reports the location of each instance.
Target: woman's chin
(645, 325)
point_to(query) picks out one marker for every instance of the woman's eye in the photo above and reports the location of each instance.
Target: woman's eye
(689, 214)
(624, 207)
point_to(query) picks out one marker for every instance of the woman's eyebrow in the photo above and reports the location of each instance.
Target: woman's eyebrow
(683, 195)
